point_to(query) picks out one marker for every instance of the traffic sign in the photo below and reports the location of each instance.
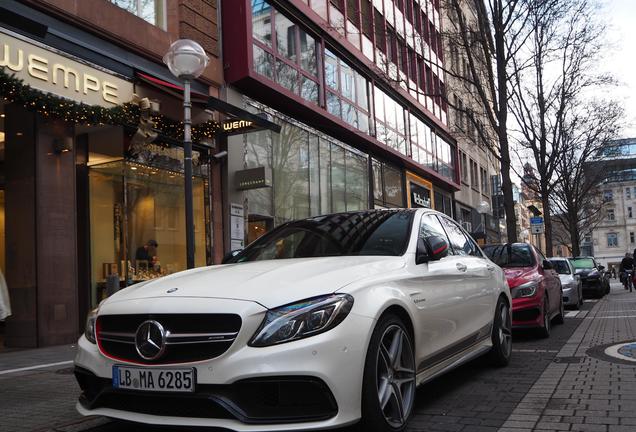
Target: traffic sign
(537, 229)
(536, 220)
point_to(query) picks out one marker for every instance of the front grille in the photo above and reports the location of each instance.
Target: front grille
(190, 337)
(285, 399)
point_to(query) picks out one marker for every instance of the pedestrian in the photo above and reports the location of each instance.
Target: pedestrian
(5, 304)
(627, 269)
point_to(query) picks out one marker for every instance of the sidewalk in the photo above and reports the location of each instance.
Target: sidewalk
(38, 391)
(584, 389)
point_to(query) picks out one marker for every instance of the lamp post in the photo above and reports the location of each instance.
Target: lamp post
(187, 60)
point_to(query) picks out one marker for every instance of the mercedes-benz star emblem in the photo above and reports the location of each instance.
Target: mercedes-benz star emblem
(150, 340)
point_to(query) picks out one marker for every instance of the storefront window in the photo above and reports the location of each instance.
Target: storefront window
(387, 181)
(312, 173)
(137, 224)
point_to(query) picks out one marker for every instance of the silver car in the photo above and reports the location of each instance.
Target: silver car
(571, 282)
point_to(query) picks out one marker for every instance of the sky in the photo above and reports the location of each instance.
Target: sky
(620, 15)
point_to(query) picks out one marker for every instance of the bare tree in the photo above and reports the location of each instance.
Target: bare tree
(549, 76)
(577, 202)
(487, 41)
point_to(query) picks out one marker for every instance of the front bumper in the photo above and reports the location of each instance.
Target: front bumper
(595, 286)
(570, 296)
(312, 383)
(272, 400)
(527, 312)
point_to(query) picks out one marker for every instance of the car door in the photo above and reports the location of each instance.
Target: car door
(435, 288)
(477, 290)
(552, 281)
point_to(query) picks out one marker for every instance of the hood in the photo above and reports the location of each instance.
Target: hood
(583, 273)
(518, 275)
(270, 283)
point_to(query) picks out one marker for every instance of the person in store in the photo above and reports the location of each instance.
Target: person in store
(147, 252)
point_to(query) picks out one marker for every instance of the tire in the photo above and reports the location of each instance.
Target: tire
(501, 350)
(560, 318)
(388, 378)
(544, 331)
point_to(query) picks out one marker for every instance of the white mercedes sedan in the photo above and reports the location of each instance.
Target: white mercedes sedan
(321, 323)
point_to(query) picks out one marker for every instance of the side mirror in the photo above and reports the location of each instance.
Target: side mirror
(547, 265)
(601, 268)
(431, 249)
(231, 254)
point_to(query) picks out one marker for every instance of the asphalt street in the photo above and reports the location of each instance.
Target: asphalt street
(550, 384)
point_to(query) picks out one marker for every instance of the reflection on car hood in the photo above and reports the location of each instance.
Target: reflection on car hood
(270, 283)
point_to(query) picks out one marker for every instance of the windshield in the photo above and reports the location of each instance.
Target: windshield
(561, 266)
(516, 255)
(379, 232)
(583, 263)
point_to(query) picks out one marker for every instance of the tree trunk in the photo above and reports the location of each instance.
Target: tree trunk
(574, 235)
(547, 221)
(506, 188)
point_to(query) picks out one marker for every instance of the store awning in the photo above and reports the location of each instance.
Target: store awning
(238, 120)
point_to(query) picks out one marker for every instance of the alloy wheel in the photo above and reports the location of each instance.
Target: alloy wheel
(395, 376)
(505, 330)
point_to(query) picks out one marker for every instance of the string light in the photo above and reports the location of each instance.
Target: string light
(13, 89)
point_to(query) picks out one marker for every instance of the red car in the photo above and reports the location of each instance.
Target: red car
(537, 296)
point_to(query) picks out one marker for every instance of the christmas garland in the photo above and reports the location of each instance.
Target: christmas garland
(14, 90)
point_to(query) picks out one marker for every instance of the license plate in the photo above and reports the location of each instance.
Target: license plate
(154, 379)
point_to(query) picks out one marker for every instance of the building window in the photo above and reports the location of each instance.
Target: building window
(587, 239)
(290, 58)
(612, 240)
(390, 123)
(474, 175)
(484, 181)
(152, 11)
(347, 92)
(629, 212)
(628, 193)
(631, 237)
(608, 195)
(610, 215)
(464, 168)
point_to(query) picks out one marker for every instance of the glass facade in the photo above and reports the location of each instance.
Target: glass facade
(290, 58)
(312, 174)
(286, 54)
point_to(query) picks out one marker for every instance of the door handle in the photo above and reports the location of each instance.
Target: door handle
(461, 267)
(490, 268)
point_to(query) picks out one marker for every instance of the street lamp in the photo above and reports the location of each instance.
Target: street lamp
(482, 208)
(187, 60)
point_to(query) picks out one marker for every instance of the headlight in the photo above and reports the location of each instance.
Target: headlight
(89, 331)
(527, 289)
(302, 319)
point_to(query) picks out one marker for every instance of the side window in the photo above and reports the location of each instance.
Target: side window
(430, 226)
(458, 240)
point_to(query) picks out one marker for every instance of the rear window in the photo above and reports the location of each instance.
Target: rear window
(583, 263)
(517, 255)
(561, 266)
